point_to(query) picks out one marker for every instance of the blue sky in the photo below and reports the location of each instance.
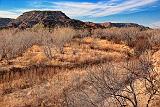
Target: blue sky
(145, 12)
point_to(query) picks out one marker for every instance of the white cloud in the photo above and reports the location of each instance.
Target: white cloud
(17, 12)
(132, 4)
(155, 24)
(84, 9)
(100, 9)
(8, 14)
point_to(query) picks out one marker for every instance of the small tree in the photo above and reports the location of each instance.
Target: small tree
(104, 86)
(57, 39)
(14, 42)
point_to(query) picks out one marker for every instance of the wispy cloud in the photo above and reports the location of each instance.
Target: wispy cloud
(100, 9)
(84, 9)
(9, 14)
(155, 24)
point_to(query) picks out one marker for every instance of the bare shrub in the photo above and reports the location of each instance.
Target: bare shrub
(154, 37)
(141, 45)
(14, 42)
(126, 35)
(5, 42)
(141, 41)
(83, 33)
(129, 35)
(108, 34)
(104, 86)
(147, 40)
(58, 38)
(63, 35)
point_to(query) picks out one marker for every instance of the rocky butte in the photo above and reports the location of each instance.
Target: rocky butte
(52, 19)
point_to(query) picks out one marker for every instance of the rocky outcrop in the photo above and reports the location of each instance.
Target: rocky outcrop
(95, 25)
(4, 22)
(57, 18)
(47, 18)
(125, 25)
(110, 24)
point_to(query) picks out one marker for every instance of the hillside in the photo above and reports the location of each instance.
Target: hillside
(46, 18)
(5, 21)
(57, 18)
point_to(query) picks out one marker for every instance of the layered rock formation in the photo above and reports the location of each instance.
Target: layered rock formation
(52, 19)
(4, 22)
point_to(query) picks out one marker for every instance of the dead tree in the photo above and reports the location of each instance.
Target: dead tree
(104, 86)
(57, 39)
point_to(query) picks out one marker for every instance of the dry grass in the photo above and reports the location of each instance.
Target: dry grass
(74, 54)
(132, 37)
(156, 60)
(82, 51)
(118, 35)
(45, 91)
(14, 42)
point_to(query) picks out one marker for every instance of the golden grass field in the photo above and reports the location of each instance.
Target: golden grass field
(36, 86)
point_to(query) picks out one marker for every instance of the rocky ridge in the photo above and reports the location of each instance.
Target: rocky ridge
(52, 19)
